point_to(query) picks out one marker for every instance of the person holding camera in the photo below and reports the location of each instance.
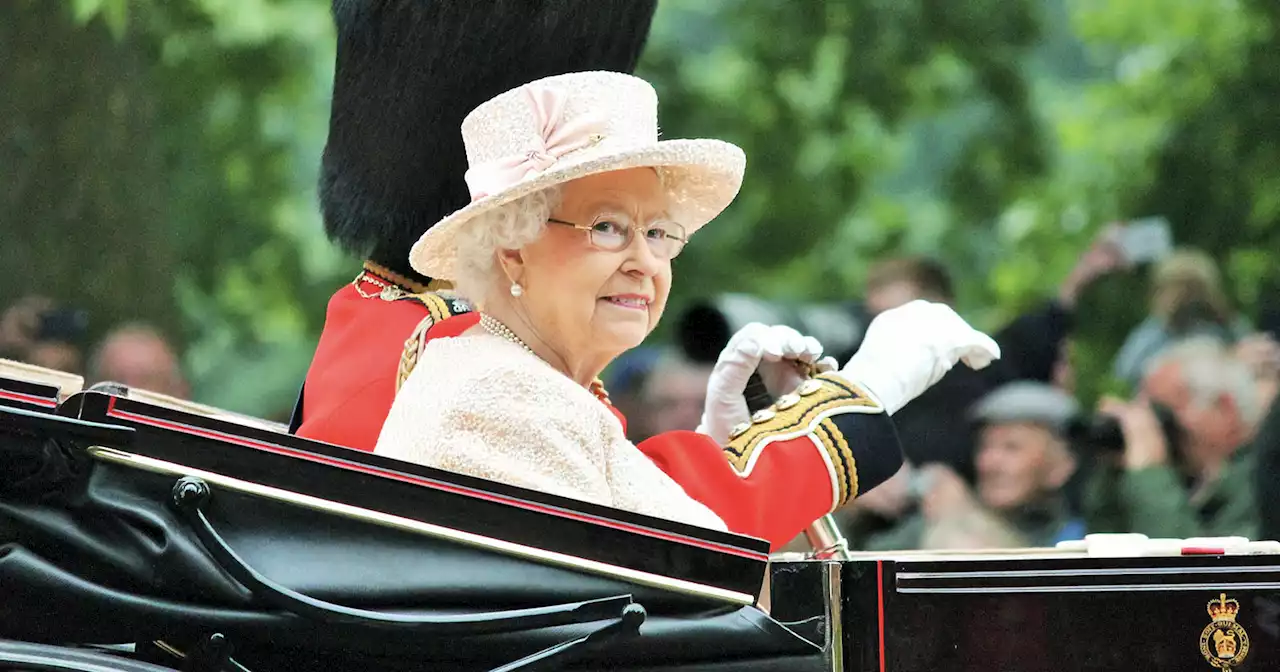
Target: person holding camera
(1023, 461)
(36, 331)
(1187, 300)
(1184, 466)
(932, 427)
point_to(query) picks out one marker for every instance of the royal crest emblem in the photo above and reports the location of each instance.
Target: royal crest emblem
(1224, 642)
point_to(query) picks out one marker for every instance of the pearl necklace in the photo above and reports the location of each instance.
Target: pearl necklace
(496, 328)
(493, 326)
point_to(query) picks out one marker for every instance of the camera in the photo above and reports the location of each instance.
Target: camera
(1102, 433)
(64, 325)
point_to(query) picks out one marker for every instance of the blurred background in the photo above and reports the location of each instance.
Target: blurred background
(158, 160)
(1120, 160)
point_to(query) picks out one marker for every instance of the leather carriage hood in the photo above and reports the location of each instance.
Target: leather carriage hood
(92, 551)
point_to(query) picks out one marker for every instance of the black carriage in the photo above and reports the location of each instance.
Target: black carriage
(144, 534)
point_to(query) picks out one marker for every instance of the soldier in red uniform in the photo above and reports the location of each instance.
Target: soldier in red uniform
(406, 75)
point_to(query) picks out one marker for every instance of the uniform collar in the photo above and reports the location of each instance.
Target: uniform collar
(380, 276)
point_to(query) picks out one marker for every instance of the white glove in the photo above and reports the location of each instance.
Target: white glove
(777, 351)
(908, 349)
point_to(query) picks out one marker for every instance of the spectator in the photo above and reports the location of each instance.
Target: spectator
(1023, 462)
(57, 353)
(19, 324)
(625, 380)
(1261, 353)
(1265, 357)
(896, 282)
(37, 332)
(1202, 485)
(137, 355)
(675, 393)
(1186, 300)
(932, 427)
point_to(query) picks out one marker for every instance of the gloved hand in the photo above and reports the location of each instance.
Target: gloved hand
(781, 353)
(908, 349)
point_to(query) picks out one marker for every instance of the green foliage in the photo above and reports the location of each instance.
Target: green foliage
(114, 13)
(180, 139)
(83, 203)
(249, 80)
(236, 95)
(999, 137)
(837, 105)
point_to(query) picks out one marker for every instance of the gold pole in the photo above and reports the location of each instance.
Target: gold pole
(827, 541)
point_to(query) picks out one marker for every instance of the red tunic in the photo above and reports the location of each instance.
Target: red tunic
(352, 380)
(788, 489)
(796, 462)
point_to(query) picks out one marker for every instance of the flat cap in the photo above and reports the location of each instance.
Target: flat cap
(1026, 401)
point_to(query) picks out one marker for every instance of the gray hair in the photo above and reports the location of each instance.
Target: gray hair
(507, 227)
(510, 227)
(1210, 371)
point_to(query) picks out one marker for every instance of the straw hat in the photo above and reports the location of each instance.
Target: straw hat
(561, 128)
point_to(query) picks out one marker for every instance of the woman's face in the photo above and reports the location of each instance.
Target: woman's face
(586, 301)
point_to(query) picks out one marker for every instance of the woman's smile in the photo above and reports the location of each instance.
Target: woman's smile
(637, 302)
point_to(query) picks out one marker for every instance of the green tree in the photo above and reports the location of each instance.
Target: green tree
(168, 174)
(83, 202)
(999, 137)
(859, 119)
(179, 140)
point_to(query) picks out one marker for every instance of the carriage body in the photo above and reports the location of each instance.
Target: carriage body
(142, 535)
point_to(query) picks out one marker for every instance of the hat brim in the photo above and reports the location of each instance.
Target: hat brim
(702, 177)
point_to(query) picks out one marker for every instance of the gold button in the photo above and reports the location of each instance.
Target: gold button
(764, 415)
(810, 386)
(787, 401)
(739, 429)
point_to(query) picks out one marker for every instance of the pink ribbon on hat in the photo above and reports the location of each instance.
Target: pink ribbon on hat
(558, 138)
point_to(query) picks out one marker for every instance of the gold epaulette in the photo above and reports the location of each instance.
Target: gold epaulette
(440, 306)
(806, 412)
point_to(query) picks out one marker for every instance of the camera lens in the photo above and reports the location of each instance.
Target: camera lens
(1098, 432)
(1102, 433)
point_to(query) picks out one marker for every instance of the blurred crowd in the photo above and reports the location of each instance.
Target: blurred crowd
(1007, 457)
(35, 330)
(999, 458)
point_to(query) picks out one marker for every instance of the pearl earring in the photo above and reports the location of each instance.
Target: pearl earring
(516, 289)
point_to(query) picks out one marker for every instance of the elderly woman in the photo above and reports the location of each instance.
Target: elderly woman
(566, 249)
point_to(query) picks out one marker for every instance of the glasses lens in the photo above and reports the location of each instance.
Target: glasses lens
(611, 232)
(665, 239)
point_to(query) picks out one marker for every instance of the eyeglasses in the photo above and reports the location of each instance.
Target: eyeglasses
(613, 233)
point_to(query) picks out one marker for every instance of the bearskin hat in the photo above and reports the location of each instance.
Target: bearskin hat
(409, 71)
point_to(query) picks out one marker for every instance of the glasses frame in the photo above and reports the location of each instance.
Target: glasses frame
(631, 234)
